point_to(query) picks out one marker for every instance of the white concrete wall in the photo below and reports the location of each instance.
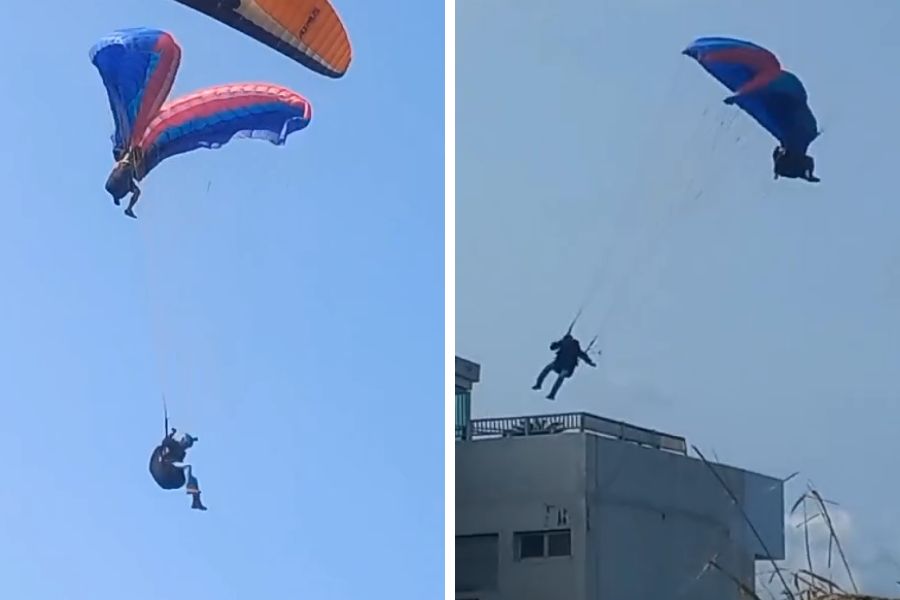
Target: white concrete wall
(644, 522)
(764, 504)
(656, 518)
(525, 484)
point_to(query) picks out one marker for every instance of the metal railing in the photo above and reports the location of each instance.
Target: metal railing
(567, 422)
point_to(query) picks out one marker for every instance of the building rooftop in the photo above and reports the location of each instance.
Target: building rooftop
(467, 374)
(582, 422)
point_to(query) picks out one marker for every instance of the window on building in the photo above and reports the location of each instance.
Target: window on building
(540, 544)
(559, 543)
(531, 545)
(477, 562)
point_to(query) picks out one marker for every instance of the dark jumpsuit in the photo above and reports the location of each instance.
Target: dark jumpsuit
(568, 353)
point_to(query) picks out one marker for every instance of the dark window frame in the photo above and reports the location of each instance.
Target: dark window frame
(564, 534)
(545, 536)
(526, 541)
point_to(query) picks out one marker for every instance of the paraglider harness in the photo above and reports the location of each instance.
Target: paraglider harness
(173, 451)
(168, 452)
(569, 352)
(162, 467)
(128, 170)
(793, 165)
(121, 179)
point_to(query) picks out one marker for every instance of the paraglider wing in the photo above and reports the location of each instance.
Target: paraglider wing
(307, 31)
(211, 117)
(773, 97)
(138, 67)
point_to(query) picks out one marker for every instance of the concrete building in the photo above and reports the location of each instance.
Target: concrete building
(578, 507)
(467, 375)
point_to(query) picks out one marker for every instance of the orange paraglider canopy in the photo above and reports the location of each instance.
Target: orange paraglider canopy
(308, 31)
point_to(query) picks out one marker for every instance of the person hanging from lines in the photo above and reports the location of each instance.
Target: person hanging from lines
(138, 67)
(123, 181)
(568, 353)
(793, 165)
(169, 470)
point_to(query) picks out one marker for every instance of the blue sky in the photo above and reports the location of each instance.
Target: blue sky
(287, 300)
(759, 318)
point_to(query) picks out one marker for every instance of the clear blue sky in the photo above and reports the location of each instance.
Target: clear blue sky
(288, 301)
(759, 320)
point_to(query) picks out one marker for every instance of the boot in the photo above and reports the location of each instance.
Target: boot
(195, 502)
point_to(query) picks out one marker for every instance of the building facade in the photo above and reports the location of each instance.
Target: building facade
(577, 507)
(467, 375)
